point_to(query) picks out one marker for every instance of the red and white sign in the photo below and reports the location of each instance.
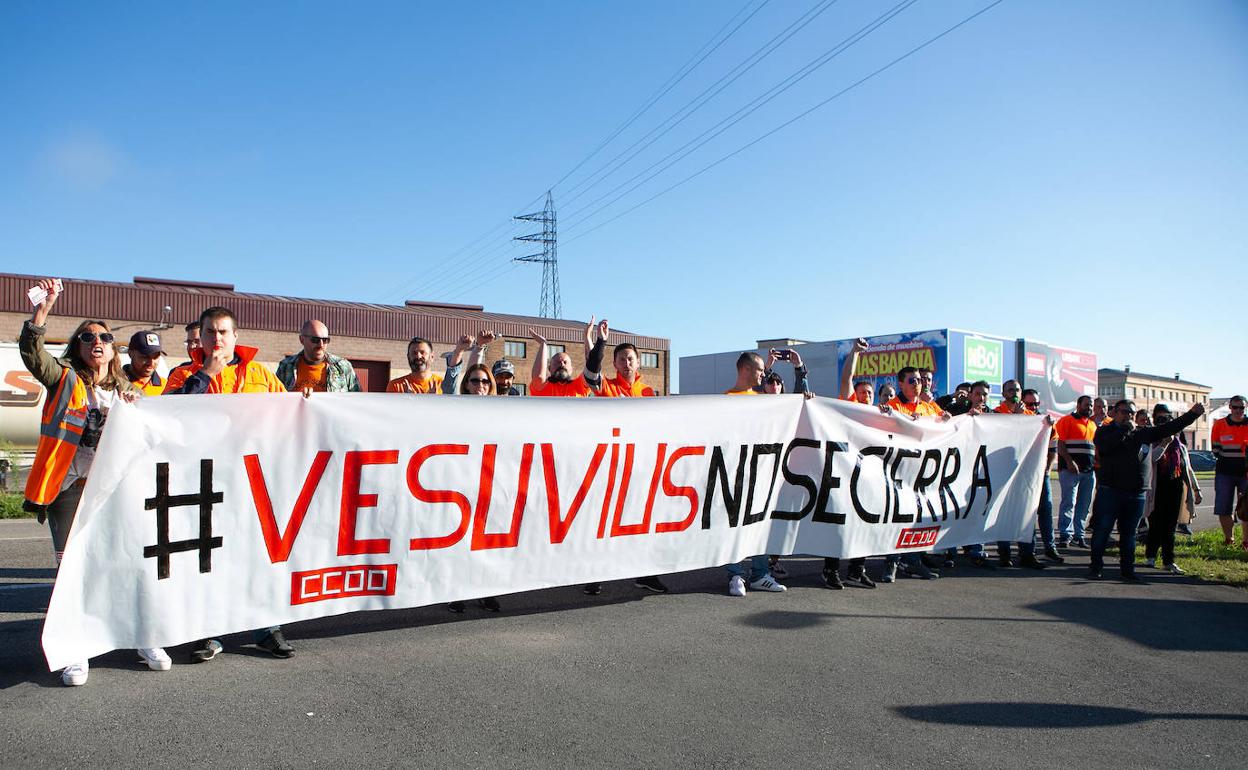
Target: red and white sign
(211, 514)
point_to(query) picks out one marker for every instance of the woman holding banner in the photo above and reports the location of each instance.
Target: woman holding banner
(82, 386)
(477, 381)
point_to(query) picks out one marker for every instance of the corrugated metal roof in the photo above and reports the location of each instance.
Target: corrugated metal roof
(146, 301)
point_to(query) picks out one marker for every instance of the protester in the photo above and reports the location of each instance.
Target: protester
(957, 401)
(1075, 449)
(1012, 402)
(221, 365)
(422, 378)
(886, 393)
(144, 351)
(1120, 477)
(315, 369)
(1171, 487)
(504, 373)
(1100, 412)
(976, 404)
(1044, 516)
(1142, 419)
(82, 387)
(192, 344)
(909, 401)
(553, 376)
(1229, 437)
(927, 379)
(860, 392)
(750, 369)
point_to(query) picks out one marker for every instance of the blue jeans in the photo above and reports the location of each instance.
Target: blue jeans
(1044, 519)
(1077, 491)
(1225, 486)
(908, 558)
(1113, 506)
(759, 569)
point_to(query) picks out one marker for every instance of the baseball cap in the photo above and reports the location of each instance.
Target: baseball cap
(147, 343)
(503, 366)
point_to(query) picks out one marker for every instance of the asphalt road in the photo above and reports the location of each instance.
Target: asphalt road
(1007, 668)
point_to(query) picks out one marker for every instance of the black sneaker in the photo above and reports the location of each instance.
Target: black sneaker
(275, 644)
(1005, 562)
(983, 563)
(205, 651)
(1078, 543)
(592, 589)
(832, 579)
(651, 583)
(860, 577)
(1029, 561)
(1184, 529)
(456, 607)
(1052, 555)
(490, 603)
(1094, 574)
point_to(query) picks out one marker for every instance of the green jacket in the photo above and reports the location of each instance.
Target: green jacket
(340, 379)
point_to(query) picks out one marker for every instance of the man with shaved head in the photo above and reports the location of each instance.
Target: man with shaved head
(315, 369)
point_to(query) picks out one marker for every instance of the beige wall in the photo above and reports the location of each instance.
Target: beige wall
(1147, 392)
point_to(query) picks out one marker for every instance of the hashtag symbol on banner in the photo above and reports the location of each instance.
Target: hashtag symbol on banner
(163, 501)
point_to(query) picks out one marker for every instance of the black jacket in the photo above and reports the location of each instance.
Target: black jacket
(1122, 451)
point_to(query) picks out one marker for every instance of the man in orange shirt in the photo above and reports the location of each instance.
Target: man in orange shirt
(553, 376)
(315, 369)
(144, 351)
(422, 378)
(860, 392)
(908, 400)
(1230, 473)
(1075, 452)
(223, 366)
(1015, 401)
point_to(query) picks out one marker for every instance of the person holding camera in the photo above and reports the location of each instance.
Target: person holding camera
(82, 386)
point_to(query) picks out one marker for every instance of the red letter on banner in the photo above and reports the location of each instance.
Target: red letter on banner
(277, 543)
(353, 501)
(508, 539)
(672, 490)
(617, 528)
(560, 524)
(438, 496)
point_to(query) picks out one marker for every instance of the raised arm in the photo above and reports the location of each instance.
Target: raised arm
(596, 351)
(539, 361)
(35, 356)
(851, 366)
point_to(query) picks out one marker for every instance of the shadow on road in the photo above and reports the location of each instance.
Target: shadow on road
(1162, 624)
(1042, 715)
(28, 573)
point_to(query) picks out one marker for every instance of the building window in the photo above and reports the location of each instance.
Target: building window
(514, 349)
(520, 386)
(650, 360)
(556, 349)
(1132, 390)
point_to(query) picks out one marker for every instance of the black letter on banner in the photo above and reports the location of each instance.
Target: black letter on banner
(798, 480)
(761, 449)
(732, 502)
(979, 478)
(163, 501)
(923, 480)
(902, 454)
(947, 477)
(863, 513)
(829, 483)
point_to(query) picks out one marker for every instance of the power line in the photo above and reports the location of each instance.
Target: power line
(796, 118)
(699, 101)
(689, 66)
(680, 153)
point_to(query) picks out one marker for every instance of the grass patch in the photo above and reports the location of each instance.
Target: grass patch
(11, 507)
(1204, 556)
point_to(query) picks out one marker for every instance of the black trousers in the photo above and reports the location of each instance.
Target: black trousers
(61, 516)
(855, 565)
(1167, 501)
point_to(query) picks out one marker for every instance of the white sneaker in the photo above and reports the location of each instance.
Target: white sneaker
(1176, 570)
(75, 675)
(1150, 563)
(155, 658)
(736, 586)
(766, 583)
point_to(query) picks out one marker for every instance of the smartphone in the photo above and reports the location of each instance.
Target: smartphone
(783, 355)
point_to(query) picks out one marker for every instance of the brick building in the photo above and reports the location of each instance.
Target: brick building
(373, 337)
(1147, 390)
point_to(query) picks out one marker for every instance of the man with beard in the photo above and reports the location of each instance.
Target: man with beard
(422, 378)
(1075, 432)
(144, 351)
(315, 369)
(553, 376)
(504, 374)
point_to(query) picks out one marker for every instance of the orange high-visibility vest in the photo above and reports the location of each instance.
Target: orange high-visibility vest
(64, 416)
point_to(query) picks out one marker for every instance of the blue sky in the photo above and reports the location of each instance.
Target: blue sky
(1075, 172)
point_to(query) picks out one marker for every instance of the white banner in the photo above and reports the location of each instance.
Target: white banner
(207, 515)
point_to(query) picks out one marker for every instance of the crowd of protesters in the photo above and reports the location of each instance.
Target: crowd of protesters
(1116, 465)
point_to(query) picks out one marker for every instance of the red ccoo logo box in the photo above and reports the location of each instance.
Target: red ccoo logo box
(318, 585)
(918, 537)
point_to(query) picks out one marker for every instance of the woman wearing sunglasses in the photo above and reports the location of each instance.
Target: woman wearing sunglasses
(82, 387)
(477, 381)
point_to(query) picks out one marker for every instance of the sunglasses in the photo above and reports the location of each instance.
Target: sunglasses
(478, 381)
(91, 337)
(316, 340)
(1238, 408)
(1032, 404)
(912, 381)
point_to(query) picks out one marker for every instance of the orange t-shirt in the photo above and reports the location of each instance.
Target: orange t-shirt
(1005, 407)
(618, 387)
(411, 383)
(853, 399)
(741, 393)
(915, 408)
(310, 376)
(577, 388)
